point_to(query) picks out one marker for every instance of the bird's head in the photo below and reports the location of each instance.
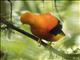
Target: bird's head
(27, 18)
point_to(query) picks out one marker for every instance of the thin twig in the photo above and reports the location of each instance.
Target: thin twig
(10, 10)
(57, 11)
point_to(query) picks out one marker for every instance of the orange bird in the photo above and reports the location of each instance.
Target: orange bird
(44, 26)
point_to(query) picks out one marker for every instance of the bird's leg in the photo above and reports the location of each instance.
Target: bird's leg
(49, 43)
(39, 41)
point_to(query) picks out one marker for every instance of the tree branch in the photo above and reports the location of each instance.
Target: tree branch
(34, 38)
(25, 33)
(20, 30)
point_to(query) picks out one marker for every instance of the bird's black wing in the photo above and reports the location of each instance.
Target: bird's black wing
(57, 29)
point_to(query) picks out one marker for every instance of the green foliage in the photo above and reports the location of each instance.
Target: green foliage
(20, 47)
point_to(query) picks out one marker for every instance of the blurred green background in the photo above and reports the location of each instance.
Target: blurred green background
(16, 46)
